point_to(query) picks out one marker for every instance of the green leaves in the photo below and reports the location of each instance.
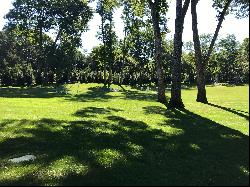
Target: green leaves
(238, 7)
(68, 17)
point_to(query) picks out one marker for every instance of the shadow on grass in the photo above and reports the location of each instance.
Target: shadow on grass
(138, 95)
(195, 151)
(234, 111)
(6, 122)
(104, 94)
(97, 93)
(94, 111)
(33, 92)
(93, 94)
(146, 87)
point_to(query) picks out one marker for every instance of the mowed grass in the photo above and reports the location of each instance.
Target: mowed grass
(82, 134)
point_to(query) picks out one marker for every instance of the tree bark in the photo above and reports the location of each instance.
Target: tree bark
(104, 55)
(201, 63)
(201, 84)
(158, 51)
(216, 33)
(56, 39)
(175, 100)
(40, 37)
(110, 75)
(123, 58)
(111, 55)
(42, 63)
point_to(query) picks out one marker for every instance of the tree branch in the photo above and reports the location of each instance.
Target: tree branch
(221, 19)
(151, 4)
(196, 38)
(185, 8)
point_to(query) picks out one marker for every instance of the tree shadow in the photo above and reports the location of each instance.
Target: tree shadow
(123, 89)
(140, 96)
(93, 94)
(34, 92)
(94, 111)
(155, 110)
(146, 87)
(234, 111)
(193, 151)
(97, 93)
(6, 122)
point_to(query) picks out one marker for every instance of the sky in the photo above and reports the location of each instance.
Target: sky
(206, 23)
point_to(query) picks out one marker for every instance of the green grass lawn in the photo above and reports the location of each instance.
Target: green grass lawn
(85, 135)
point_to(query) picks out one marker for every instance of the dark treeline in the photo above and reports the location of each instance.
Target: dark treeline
(30, 56)
(19, 63)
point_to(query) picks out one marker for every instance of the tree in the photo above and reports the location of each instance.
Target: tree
(175, 100)
(139, 67)
(106, 8)
(16, 66)
(30, 15)
(202, 61)
(68, 19)
(157, 7)
(125, 17)
(243, 59)
(227, 60)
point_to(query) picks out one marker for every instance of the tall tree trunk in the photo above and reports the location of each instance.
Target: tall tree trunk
(158, 51)
(52, 52)
(104, 47)
(175, 100)
(41, 38)
(110, 75)
(43, 65)
(201, 63)
(111, 55)
(201, 84)
(42, 60)
(40, 41)
(123, 57)
(105, 74)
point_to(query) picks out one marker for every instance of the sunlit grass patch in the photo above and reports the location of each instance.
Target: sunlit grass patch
(83, 134)
(107, 157)
(63, 167)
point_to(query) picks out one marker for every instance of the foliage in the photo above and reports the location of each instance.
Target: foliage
(238, 7)
(130, 59)
(224, 65)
